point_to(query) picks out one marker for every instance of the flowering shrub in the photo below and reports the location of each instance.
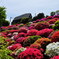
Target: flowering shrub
(11, 31)
(9, 35)
(56, 26)
(43, 42)
(30, 53)
(52, 49)
(55, 36)
(56, 16)
(31, 27)
(44, 32)
(49, 17)
(43, 19)
(30, 40)
(12, 27)
(20, 50)
(35, 46)
(22, 35)
(15, 46)
(42, 25)
(21, 39)
(55, 57)
(52, 21)
(32, 32)
(23, 30)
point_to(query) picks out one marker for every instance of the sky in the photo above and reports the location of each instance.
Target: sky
(18, 7)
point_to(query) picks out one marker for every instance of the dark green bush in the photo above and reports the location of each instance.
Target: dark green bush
(25, 20)
(39, 16)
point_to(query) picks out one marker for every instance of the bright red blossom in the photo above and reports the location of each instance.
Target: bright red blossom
(15, 46)
(55, 57)
(32, 32)
(45, 32)
(55, 36)
(31, 53)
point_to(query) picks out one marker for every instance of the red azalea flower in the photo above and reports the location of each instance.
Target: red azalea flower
(16, 37)
(9, 35)
(52, 21)
(15, 46)
(21, 34)
(55, 37)
(44, 32)
(8, 40)
(32, 32)
(55, 57)
(23, 30)
(35, 46)
(42, 25)
(31, 53)
(49, 17)
(21, 39)
(56, 16)
(11, 31)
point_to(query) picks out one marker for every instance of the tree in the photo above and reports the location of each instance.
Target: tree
(2, 16)
(57, 12)
(52, 13)
(39, 16)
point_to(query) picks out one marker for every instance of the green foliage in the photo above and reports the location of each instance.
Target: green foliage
(30, 40)
(25, 20)
(21, 25)
(56, 26)
(57, 22)
(4, 54)
(2, 39)
(52, 13)
(3, 22)
(57, 11)
(2, 13)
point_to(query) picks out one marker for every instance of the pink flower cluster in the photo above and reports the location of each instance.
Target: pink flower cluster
(32, 32)
(44, 32)
(55, 57)
(15, 46)
(30, 53)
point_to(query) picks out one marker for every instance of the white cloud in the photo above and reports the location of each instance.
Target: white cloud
(18, 7)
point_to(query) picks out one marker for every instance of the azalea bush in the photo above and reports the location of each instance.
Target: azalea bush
(56, 26)
(30, 40)
(55, 57)
(52, 21)
(30, 53)
(24, 30)
(55, 36)
(38, 46)
(43, 42)
(15, 46)
(42, 25)
(44, 32)
(32, 32)
(52, 49)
